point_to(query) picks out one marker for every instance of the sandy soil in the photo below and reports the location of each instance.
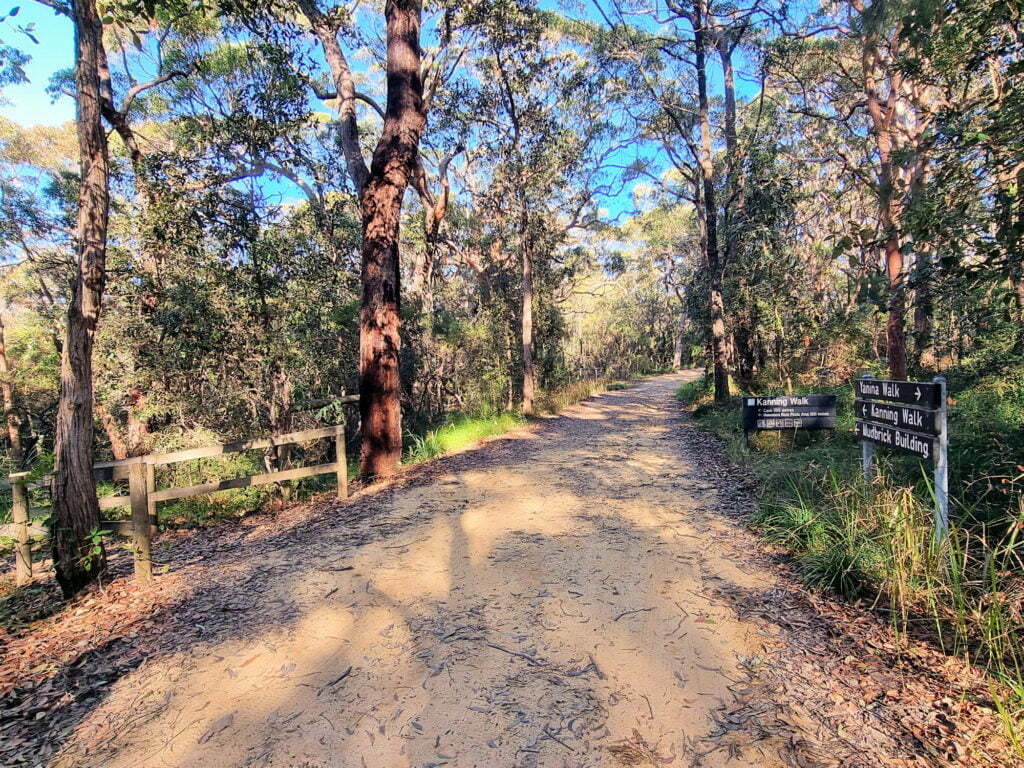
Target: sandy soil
(552, 598)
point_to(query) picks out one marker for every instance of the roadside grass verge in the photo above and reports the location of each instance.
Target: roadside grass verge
(874, 541)
(457, 434)
(559, 398)
(460, 431)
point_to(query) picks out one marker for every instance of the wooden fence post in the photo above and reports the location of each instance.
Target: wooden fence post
(140, 521)
(342, 461)
(150, 501)
(20, 517)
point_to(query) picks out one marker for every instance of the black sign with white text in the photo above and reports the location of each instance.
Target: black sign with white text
(789, 412)
(921, 394)
(922, 446)
(901, 416)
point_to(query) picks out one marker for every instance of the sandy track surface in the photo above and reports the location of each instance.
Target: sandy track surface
(568, 595)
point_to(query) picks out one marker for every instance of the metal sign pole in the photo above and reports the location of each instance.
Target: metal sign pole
(942, 466)
(867, 451)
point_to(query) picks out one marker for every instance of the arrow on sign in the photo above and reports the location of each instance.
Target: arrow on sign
(917, 393)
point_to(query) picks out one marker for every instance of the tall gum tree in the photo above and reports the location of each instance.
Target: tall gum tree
(662, 55)
(412, 80)
(75, 508)
(849, 78)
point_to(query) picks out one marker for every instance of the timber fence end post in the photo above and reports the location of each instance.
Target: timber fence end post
(342, 461)
(141, 534)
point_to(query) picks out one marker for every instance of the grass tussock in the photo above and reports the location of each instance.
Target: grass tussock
(459, 434)
(463, 431)
(558, 399)
(874, 540)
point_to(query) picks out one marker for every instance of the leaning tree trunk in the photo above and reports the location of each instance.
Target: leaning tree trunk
(75, 509)
(381, 200)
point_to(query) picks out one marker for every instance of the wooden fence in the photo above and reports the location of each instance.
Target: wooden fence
(143, 496)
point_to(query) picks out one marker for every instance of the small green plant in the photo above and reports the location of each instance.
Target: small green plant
(693, 392)
(93, 548)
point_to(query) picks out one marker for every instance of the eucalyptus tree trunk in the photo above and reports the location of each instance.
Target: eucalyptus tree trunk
(882, 113)
(924, 307)
(381, 201)
(529, 377)
(679, 340)
(11, 419)
(716, 302)
(75, 509)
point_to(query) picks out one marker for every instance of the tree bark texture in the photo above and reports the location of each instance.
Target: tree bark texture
(75, 509)
(391, 169)
(716, 302)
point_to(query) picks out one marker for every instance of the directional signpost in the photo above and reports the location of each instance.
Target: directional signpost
(789, 412)
(909, 416)
(917, 393)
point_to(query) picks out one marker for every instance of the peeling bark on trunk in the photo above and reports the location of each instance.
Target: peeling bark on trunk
(75, 508)
(393, 163)
(882, 113)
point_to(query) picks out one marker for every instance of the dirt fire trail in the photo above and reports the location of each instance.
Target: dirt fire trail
(569, 595)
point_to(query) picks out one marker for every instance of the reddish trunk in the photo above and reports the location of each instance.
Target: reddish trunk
(895, 335)
(381, 200)
(75, 509)
(118, 445)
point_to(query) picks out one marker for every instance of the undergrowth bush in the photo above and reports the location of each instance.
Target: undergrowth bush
(875, 540)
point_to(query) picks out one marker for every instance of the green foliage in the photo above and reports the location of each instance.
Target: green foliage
(92, 550)
(692, 392)
(458, 434)
(877, 541)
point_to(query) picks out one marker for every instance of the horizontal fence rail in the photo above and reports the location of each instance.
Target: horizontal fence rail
(143, 496)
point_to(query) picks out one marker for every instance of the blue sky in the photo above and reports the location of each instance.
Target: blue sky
(30, 104)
